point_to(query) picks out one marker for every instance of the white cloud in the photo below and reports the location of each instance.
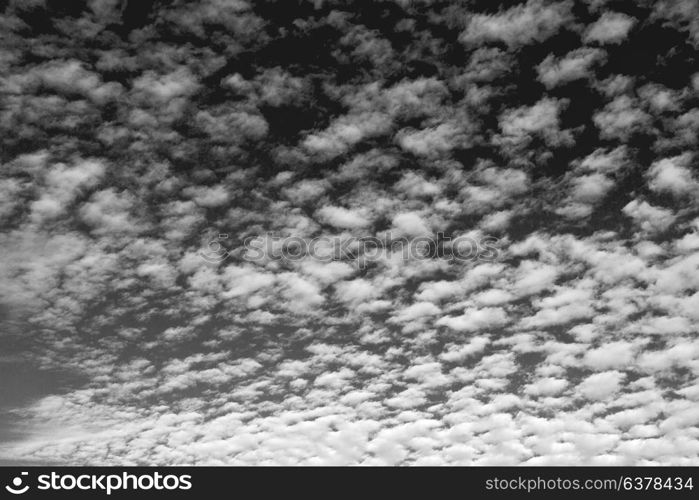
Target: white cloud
(548, 386)
(212, 196)
(573, 66)
(621, 118)
(431, 142)
(524, 24)
(342, 217)
(63, 185)
(649, 218)
(109, 211)
(600, 386)
(610, 355)
(671, 175)
(410, 224)
(611, 27)
(475, 319)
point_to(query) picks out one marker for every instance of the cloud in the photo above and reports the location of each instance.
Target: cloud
(648, 217)
(542, 119)
(610, 355)
(109, 211)
(342, 217)
(611, 27)
(212, 196)
(573, 66)
(521, 25)
(346, 131)
(621, 118)
(431, 142)
(548, 386)
(63, 184)
(585, 193)
(600, 386)
(410, 224)
(475, 319)
(415, 312)
(671, 175)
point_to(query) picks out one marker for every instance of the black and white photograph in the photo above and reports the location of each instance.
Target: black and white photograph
(348, 233)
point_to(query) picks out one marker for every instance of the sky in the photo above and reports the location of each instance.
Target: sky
(146, 145)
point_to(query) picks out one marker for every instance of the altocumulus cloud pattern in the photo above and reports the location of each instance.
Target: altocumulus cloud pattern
(135, 132)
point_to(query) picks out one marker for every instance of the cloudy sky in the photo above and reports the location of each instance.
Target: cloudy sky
(134, 132)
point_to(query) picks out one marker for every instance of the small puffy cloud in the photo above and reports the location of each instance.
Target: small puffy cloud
(617, 354)
(405, 99)
(356, 291)
(590, 188)
(497, 221)
(343, 218)
(508, 181)
(573, 66)
(327, 272)
(435, 291)
(548, 386)
(63, 184)
(162, 88)
(488, 63)
(679, 275)
(160, 274)
(493, 297)
(65, 77)
(476, 319)
(672, 175)
(416, 312)
(306, 190)
(600, 386)
(410, 224)
(431, 142)
(604, 161)
(649, 218)
(615, 85)
(532, 22)
(533, 277)
(454, 353)
(682, 354)
(621, 118)
(611, 27)
(585, 193)
(227, 125)
(208, 196)
(109, 211)
(10, 190)
(659, 98)
(347, 131)
(542, 119)
(242, 281)
(301, 295)
(276, 87)
(415, 186)
(566, 305)
(526, 120)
